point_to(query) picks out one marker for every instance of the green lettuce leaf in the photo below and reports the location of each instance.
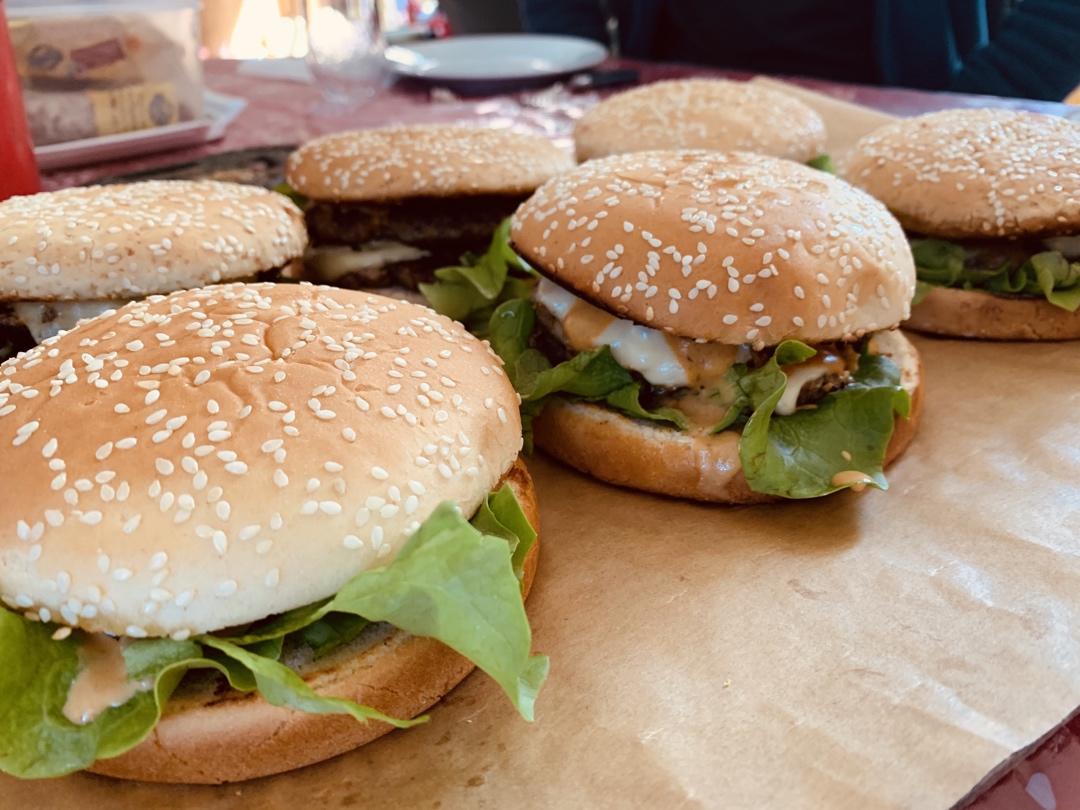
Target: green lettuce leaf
(1047, 274)
(299, 199)
(452, 581)
(281, 686)
(501, 515)
(799, 455)
(469, 292)
(823, 163)
(753, 387)
(1058, 279)
(36, 739)
(593, 376)
(332, 631)
(938, 262)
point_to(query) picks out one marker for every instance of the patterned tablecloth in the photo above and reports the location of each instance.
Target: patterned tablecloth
(287, 112)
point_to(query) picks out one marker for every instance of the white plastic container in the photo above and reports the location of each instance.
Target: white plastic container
(93, 68)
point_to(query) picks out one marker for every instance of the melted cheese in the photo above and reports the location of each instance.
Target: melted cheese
(803, 374)
(664, 360)
(331, 263)
(47, 318)
(668, 361)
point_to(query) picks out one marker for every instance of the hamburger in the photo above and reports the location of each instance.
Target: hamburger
(387, 207)
(990, 200)
(703, 114)
(299, 508)
(72, 254)
(716, 326)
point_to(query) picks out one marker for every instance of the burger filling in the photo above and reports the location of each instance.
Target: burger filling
(812, 419)
(693, 376)
(1029, 268)
(469, 290)
(23, 324)
(361, 244)
(69, 697)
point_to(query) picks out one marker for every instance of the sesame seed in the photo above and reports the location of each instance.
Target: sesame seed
(226, 589)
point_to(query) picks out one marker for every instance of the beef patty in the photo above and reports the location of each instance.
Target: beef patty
(419, 221)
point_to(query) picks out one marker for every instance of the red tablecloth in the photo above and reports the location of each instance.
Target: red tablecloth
(284, 112)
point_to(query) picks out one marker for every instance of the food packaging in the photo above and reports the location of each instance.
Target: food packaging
(91, 68)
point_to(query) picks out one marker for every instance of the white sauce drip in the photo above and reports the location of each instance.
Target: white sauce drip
(68, 313)
(638, 348)
(800, 375)
(331, 263)
(654, 354)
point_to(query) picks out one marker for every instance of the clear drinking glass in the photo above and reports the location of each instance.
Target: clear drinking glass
(345, 48)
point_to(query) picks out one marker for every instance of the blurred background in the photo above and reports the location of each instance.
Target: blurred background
(965, 45)
(85, 82)
(271, 29)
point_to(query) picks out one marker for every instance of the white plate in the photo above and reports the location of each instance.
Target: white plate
(495, 57)
(126, 144)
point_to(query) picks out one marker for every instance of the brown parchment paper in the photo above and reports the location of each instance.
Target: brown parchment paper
(845, 122)
(861, 651)
(882, 650)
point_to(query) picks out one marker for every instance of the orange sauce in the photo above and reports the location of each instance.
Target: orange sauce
(102, 681)
(852, 478)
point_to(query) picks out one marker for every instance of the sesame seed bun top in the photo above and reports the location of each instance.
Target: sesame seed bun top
(130, 240)
(701, 114)
(394, 163)
(727, 247)
(253, 448)
(975, 172)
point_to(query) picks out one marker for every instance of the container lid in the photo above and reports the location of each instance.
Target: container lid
(59, 8)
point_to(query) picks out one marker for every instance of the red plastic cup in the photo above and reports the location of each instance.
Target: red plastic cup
(18, 171)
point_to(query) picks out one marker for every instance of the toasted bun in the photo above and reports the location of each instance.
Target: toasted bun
(975, 172)
(726, 247)
(157, 236)
(975, 314)
(208, 735)
(423, 161)
(242, 468)
(701, 114)
(687, 464)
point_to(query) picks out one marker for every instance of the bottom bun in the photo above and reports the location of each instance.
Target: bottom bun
(693, 463)
(975, 314)
(211, 734)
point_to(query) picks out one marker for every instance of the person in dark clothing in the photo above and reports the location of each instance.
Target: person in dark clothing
(1027, 48)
